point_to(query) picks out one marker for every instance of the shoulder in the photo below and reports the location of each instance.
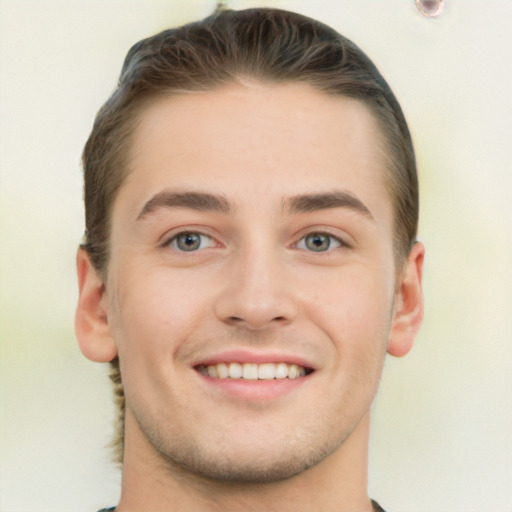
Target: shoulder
(376, 507)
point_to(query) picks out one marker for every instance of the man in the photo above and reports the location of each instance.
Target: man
(249, 258)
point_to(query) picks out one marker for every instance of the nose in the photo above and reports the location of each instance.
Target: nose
(256, 293)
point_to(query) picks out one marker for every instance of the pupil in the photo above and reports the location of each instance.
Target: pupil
(318, 242)
(189, 242)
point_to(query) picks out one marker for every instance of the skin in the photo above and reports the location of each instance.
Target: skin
(255, 285)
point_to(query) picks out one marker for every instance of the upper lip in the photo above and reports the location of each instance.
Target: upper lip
(256, 357)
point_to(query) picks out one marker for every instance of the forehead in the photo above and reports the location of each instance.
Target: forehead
(256, 140)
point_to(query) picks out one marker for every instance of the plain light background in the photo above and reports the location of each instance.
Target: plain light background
(442, 431)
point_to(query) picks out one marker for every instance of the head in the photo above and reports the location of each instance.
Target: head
(266, 45)
(257, 48)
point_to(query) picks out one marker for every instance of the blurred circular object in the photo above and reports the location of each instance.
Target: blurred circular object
(430, 8)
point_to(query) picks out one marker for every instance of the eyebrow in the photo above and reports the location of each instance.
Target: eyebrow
(313, 202)
(200, 201)
(303, 203)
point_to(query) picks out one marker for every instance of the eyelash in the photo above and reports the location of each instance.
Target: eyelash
(339, 243)
(174, 241)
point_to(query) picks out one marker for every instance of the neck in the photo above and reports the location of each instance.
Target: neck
(337, 484)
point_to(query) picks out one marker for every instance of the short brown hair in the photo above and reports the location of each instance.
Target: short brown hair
(268, 45)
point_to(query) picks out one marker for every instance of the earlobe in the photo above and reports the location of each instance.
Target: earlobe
(408, 313)
(91, 319)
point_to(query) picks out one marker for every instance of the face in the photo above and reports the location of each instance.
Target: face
(251, 282)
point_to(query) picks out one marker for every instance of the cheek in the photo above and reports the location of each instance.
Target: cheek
(153, 317)
(154, 311)
(355, 311)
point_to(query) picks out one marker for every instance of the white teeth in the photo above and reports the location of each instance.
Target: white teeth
(222, 371)
(266, 371)
(282, 371)
(235, 371)
(252, 371)
(293, 371)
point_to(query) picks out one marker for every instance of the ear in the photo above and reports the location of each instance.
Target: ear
(91, 319)
(408, 307)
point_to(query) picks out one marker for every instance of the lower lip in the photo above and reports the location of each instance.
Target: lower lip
(254, 389)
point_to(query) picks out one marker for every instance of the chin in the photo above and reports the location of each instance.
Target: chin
(249, 466)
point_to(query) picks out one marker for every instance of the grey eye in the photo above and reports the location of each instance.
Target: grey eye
(319, 242)
(190, 241)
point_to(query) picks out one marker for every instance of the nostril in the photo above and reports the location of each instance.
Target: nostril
(240, 320)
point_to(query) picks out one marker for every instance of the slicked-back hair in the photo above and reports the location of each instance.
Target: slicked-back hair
(265, 45)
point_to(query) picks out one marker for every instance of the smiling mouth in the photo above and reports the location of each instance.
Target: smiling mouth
(253, 371)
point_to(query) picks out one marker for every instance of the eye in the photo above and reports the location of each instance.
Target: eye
(190, 241)
(319, 242)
